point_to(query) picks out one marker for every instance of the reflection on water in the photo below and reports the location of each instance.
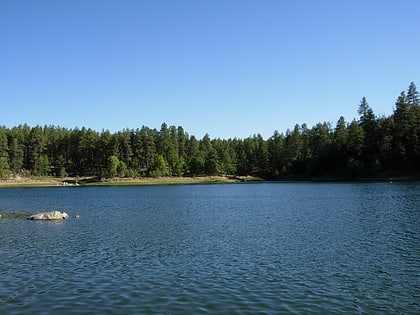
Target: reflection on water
(216, 249)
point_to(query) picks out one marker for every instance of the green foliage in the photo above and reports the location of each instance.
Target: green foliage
(59, 167)
(4, 157)
(4, 166)
(178, 168)
(363, 147)
(42, 166)
(62, 172)
(16, 155)
(413, 97)
(365, 112)
(160, 167)
(122, 169)
(116, 167)
(113, 164)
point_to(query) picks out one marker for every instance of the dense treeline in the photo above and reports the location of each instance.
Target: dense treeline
(366, 147)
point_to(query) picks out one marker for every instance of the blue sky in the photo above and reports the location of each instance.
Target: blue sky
(229, 68)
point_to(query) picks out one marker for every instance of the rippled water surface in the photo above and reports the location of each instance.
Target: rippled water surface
(291, 248)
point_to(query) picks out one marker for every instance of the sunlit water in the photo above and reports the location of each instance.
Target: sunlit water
(275, 248)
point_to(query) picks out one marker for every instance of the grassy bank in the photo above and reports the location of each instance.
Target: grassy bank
(95, 181)
(160, 181)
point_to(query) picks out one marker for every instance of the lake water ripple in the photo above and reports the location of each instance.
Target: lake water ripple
(271, 248)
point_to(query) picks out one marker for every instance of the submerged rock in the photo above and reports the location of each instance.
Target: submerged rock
(52, 215)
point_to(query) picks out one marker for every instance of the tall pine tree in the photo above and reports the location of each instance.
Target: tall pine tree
(413, 98)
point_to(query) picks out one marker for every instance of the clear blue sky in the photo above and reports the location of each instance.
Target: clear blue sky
(229, 68)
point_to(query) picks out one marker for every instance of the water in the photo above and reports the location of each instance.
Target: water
(275, 248)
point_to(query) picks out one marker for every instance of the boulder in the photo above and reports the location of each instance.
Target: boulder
(52, 215)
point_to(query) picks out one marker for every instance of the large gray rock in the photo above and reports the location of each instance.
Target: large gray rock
(52, 215)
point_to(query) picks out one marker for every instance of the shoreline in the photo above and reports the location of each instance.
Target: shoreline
(48, 181)
(140, 181)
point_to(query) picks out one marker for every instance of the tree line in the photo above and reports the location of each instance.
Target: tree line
(367, 146)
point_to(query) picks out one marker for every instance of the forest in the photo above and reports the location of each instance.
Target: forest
(367, 147)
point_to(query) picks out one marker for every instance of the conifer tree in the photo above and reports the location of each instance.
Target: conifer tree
(365, 112)
(4, 157)
(413, 98)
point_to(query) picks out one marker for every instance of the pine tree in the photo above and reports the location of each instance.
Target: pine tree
(401, 105)
(4, 157)
(413, 98)
(365, 112)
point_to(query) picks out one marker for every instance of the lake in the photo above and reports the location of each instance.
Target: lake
(265, 248)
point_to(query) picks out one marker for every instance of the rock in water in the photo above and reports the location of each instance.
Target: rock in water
(52, 215)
